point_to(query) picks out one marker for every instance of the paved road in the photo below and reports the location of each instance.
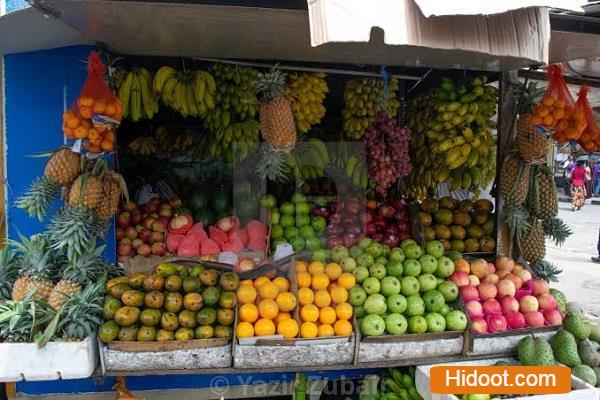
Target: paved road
(580, 280)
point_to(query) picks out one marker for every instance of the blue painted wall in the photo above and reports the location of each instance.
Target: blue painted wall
(15, 5)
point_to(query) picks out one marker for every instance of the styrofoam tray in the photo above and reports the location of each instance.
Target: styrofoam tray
(411, 346)
(66, 360)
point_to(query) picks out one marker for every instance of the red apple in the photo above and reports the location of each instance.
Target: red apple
(491, 268)
(123, 220)
(145, 235)
(131, 233)
(502, 274)
(468, 293)
(487, 291)
(120, 233)
(175, 202)
(129, 206)
(474, 280)
(164, 220)
(148, 222)
(480, 268)
(553, 317)
(491, 278)
(139, 228)
(546, 301)
(509, 304)
(505, 264)
(496, 323)
(491, 306)
(156, 237)
(151, 207)
(540, 287)
(137, 243)
(159, 249)
(460, 278)
(515, 320)
(144, 250)
(474, 309)
(534, 318)
(125, 240)
(123, 259)
(136, 217)
(159, 226)
(154, 215)
(123, 249)
(506, 287)
(516, 280)
(479, 326)
(528, 304)
(132, 253)
(243, 265)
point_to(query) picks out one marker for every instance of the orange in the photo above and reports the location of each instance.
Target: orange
(558, 113)
(282, 283)
(247, 282)
(325, 330)
(248, 312)
(316, 267)
(339, 294)
(286, 301)
(548, 120)
(86, 112)
(288, 328)
(304, 279)
(305, 296)
(268, 290)
(246, 294)
(309, 330)
(260, 280)
(333, 271)
(347, 280)
(264, 327)
(268, 309)
(543, 111)
(320, 281)
(559, 103)
(244, 330)
(342, 328)
(73, 122)
(327, 315)
(110, 110)
(536, 119)
(301, 266)
(281, 316)
(344, 311)
(99, 107)
(548, 101)
(322, 298)
(309, 313)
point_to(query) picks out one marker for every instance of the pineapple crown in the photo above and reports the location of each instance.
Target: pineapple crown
(546, 271)
(518, 220)
(9, 271)
(87, 267)
(270, 85)
(34, 255)
(83, 312)
(528, 96)
(272, 164)
(21, 320)
(557, 230)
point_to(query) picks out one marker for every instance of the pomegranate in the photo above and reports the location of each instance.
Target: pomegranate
(491, 307)
(506, 287)
(131, 233)
(148, 222)
(540, 287)
(123, 249)
(528, 304)
(509, 304)
(553, 317)
(123, 220)
(159, 226)
(159, 249)
(460, 278)
(479, 326)
(468, 293)
(496, 323)
(474, 309)
(547, 302)
(515, 320)
(487, 291)
(137, 243)
(534, 318)
(129, 206)
(480, 268)
(144, 250)
(504, 263)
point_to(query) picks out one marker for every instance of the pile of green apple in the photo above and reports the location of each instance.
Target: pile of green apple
(402, 289)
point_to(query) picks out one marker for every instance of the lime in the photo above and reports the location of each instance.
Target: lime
(268, 201)
(298, 198)
(298, 244)
(275, 216)
(303, 208)
(302, 220)
(319, 224)
(276, 231)
(307, 232)
(313, 243)
(287, 220)
(291, 233)
(287, 208)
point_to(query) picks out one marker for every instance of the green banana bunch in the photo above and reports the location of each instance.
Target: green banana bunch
(173, 141)
(138, 100)
(309, 159)
(363, 97)
(143, 146)
(399, 384)
(191, 93)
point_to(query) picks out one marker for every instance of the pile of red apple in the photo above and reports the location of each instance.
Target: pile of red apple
(504, 296)
(349, 221)
(141, 228)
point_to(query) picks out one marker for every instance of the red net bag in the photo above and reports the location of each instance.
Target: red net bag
(557, 101)
(590, 137)
(95, 96)
(571, 127)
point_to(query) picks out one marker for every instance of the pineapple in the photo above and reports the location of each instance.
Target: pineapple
(9, 272)
(272, 164)
(21, 320)
(532, 244)
(62, 168)
(84, 269)
(35, 264)
(533, 143)
(514, 179)
(277, 123)
(74, 230)
(86, 192)
(546, 271)
(113, 187)
(83, 312)
(557, 230)
(548, 195)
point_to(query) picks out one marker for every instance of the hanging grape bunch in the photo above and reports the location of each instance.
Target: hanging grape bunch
(387, 151)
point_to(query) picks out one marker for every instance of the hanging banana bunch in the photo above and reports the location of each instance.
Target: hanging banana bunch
(191, 93)
(138, 100)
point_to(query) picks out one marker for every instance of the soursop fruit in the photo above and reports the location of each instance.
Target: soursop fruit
(542, 352)
(575, 324)
(595, 333)
(561, 299)
(597, 371)
(564, 346)
(585, 373)
(525, 351)
(588, 352)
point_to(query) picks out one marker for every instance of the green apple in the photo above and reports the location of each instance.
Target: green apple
(444, 310)
(298, 198)
(377, 271)
(357, 296)
(428, 263)
(389, 286)
(427, 282)
(348, 264)
(319, 224)
(298, 244)
(365, 260)
(381, 260)
(302, 220)
(291, 233)
(454, 255)
(321, 255)
(275, 216)
(396, 303)
(414, 306)
(287, 208)
(449, 290)
(395, 268)
(313, 243)
(434, 248)
(413, 251)
(385, 250)
(396, 254)
(434, 301)
(359, 312)
(417, 324)
(445, 267)
(360, 273)
(338, 253)
(371, 285)
(375, 304)
(303, 208)
(287, 220)
(406, 243)
(372, 325)
(276, 231)
(321, 201)
(410, 286)
(412, 267)
(396, 324)
(364, 243)
(456, 321)
(435, 322)
(375, 249)
(268, 201)
(307, 231)
(356, 251)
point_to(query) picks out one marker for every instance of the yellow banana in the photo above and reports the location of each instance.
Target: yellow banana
(136, 99)
(161, 77)
(125, 94)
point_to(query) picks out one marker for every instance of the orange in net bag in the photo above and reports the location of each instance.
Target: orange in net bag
(590, 137)
(572, 126)
(556, 102)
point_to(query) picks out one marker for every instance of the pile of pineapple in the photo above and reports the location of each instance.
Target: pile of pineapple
(45, 296)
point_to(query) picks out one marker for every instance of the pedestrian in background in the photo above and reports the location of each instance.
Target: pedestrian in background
(578, 186)
(597, 259)
(568, 167)
(596, 178)
(589, 182)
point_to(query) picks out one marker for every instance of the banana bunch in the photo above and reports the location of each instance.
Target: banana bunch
(173, 142)
(309, 159)
(191, 93)
(363, 97)
(452, 140)
(353, 167)
(143, 146)
(306, 92)
(138, 100)
(237, 141)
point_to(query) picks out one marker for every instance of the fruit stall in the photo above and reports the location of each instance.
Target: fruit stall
(217, 221)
